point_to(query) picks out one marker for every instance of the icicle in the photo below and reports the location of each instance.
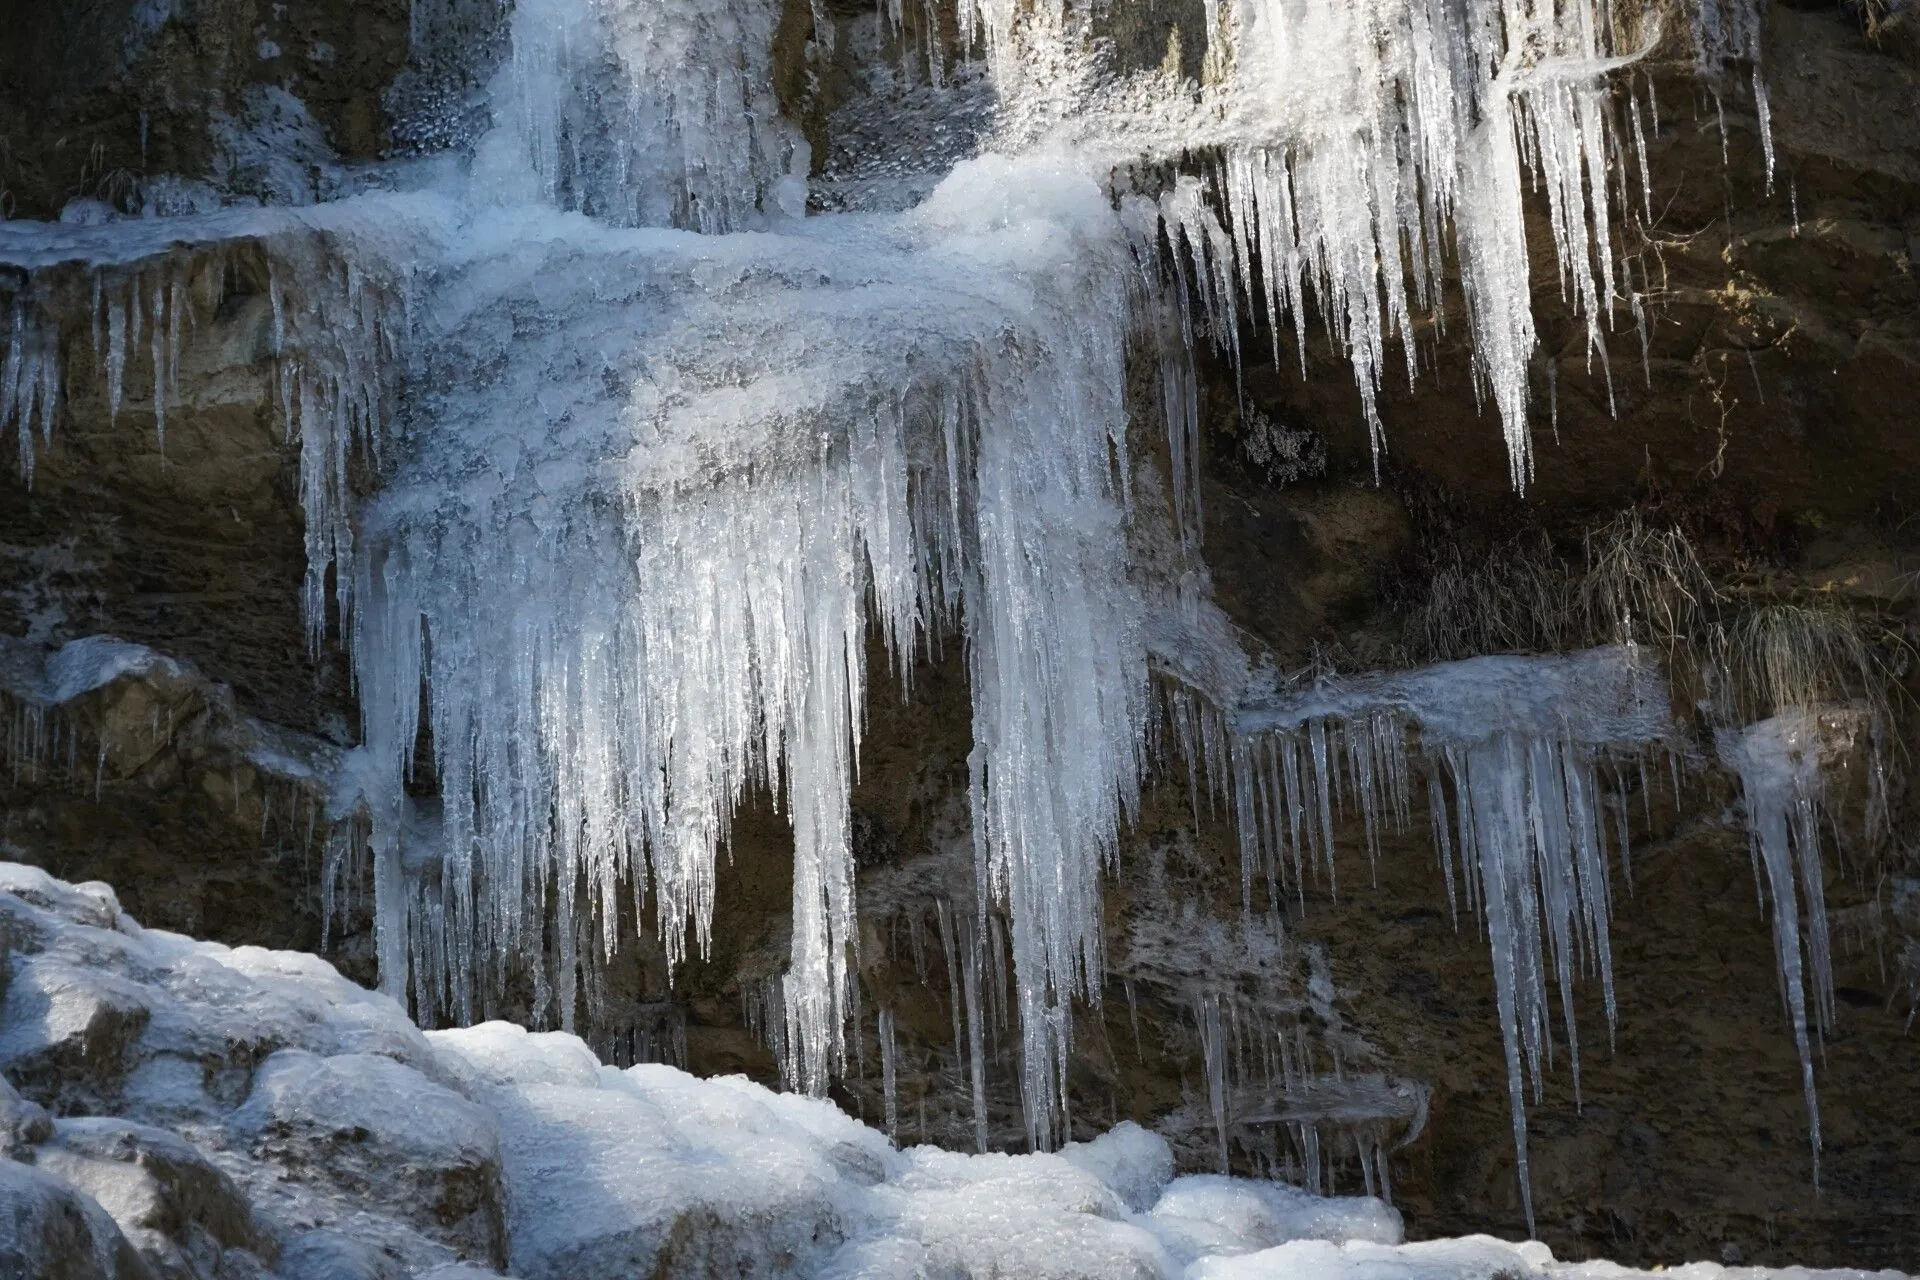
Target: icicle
(1515, 739)
(1213, 1053)
(976, 1046)
(1779, 762)
(661, 116)
(888, 1083)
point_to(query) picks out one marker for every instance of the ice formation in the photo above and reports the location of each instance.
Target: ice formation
(1779, 761)
(645, 114)
(668, 454)
(1513, 748)
(752, 452)
(338, 278)
(1352, 139)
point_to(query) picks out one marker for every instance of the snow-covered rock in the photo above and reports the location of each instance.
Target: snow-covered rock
(22, 1123)
(378, 1130)
(179, 1209)
(50, 1231)
(257, 1117)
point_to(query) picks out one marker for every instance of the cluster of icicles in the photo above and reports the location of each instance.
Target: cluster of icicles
(335, 352)
(634, 551)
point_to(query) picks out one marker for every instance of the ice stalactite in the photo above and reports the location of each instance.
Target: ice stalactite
(1727, 34)
(1300, 1106)
(1353, 146)
(1213, 1056)
(1779, 761)
(976, 1044)
(1513, 747)
(29, 378)
(1532, 844)
(1351, 142)
(1288, 785)
(889, 1074)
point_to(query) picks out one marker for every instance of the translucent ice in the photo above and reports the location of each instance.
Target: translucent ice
(1512, 747)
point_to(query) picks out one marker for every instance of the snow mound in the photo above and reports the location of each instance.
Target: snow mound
(278, 1122)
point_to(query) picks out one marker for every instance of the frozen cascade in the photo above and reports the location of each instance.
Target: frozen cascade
(653, 490)
(1779, 761)
(645, 114)
(1352, 137)
(659, 596)
(1512, 748)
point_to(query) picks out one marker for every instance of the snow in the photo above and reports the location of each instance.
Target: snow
(337, 1149)
(1134, 1163)
(1204, 1215)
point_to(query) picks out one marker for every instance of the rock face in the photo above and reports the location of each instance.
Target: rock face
(138, 105)
(1768, 416)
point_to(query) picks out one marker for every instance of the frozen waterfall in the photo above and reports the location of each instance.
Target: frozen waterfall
(651, 455)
